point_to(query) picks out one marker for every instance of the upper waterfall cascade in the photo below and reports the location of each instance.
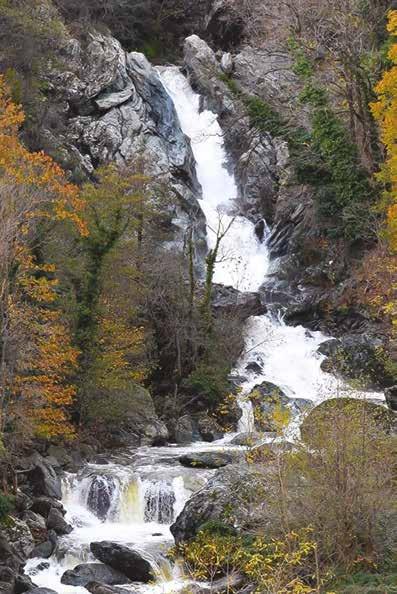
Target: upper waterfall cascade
(135, 503)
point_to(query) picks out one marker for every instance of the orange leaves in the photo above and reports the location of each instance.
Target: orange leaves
(384, 111)
(56, 197)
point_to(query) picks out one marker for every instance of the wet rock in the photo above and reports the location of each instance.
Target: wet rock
(207, 459)
(43, 478)
(41, 591)
(226, 495)
(23, 583)
(391, 397)
(98, 588)
(128, 561)
(100, 495)
(247, 439)
(230, 301)
(56, 522)
(85, 573)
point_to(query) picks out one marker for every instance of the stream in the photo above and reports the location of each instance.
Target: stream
(135, 498)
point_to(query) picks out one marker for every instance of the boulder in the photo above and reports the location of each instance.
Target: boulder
(357, 356)
(185, 430)
(43, 505)
(128, 561)
(225, 498)
(45, 549)
(247, 439)
(85, 573)
(391, 397)
(319, 423)
(34, 521)
(8, 555)
(43, 478)
(23, 583)
(56, 522)
(19, 536)
(60, 454)
(230, 301)
(207, 459)
(265, 397)
(208, 428)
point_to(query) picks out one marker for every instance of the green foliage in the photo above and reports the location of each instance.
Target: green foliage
(216, 527)
(6, 506)
(366, 583)
(263, 117)
(210, 382)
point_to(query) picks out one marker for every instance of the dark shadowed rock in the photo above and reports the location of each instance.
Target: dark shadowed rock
(84, 573)
(100, 495)
(128, 561)
(186, 430)
(46, 548)
(56, 522)
(43, 478)
(23, 583)
(391, 397)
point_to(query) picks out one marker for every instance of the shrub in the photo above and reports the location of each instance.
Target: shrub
(6, 506)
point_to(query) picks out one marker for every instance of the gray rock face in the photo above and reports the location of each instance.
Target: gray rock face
(20, 537)
(225, 498)
(82, 574)
(128, 561)
(115, 108)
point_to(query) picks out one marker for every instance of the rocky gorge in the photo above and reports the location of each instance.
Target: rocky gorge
(103, 517)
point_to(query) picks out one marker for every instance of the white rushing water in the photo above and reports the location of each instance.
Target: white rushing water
(135, 503)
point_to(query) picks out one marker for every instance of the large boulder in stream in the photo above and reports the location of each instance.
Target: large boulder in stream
(318, 426)
(266, 398)
(232, 302)
(227, 497)
(123, 559)
(207, 459)
(84, 573)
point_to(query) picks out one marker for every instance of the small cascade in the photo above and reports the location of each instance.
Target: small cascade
(159, 502)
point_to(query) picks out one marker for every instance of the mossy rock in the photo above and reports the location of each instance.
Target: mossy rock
(374, 419)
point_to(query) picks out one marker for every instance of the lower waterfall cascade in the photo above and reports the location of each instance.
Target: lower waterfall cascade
(134, 502)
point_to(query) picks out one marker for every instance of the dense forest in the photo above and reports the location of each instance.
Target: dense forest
(119, 334)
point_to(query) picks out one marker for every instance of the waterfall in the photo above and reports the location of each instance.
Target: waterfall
(135, 504)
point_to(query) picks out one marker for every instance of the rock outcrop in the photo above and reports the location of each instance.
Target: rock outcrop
(84, 573)
(114, 108)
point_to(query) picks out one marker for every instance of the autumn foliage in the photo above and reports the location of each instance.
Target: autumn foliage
(37, 357)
